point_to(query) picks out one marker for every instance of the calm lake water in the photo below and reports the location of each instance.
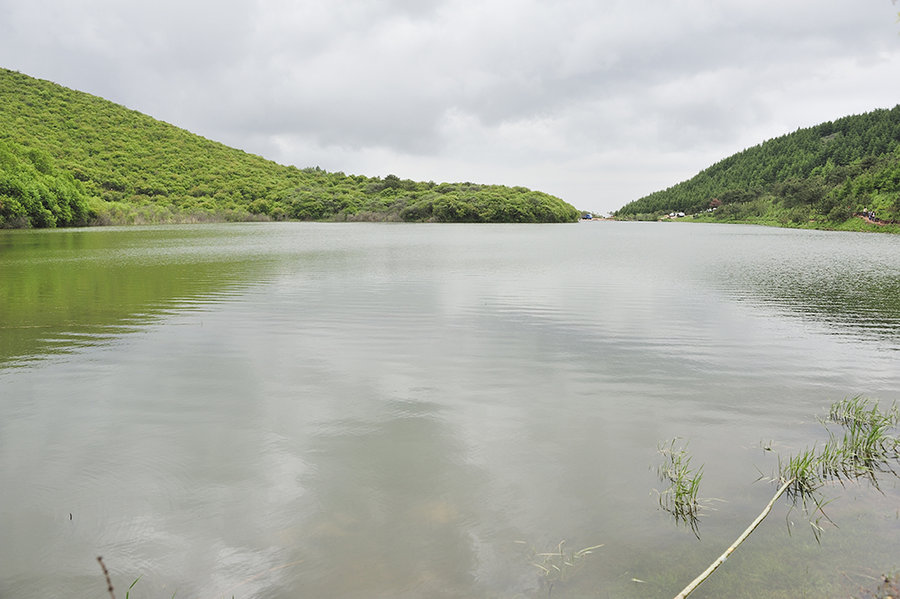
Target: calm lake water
(372, 410)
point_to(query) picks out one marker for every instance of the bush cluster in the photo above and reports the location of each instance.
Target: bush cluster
(69, 158)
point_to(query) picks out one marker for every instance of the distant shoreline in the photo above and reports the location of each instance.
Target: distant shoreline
(856, 224)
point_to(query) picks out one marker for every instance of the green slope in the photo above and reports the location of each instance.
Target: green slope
(821, 176)
(70, 158)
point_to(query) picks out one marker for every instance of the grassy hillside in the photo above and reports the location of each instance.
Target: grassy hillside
(823, 176)
(68, 158)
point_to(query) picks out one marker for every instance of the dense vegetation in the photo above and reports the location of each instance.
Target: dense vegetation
(69, 158)
(823, 176)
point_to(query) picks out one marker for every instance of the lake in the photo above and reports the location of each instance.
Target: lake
(392, 410)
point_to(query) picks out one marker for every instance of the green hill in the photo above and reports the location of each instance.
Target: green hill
(822, 176)
(69, 158)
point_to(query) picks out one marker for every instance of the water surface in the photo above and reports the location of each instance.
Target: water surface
(370, 410)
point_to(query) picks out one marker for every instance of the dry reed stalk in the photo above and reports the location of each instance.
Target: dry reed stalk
(712, 567)
(108, 580)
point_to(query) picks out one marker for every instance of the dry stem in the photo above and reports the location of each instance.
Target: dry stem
(108, 581)
(696, 582)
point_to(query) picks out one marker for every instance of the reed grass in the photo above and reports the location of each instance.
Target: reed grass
(868, 447)
(865, 447)
(864, 411)
(680, 497)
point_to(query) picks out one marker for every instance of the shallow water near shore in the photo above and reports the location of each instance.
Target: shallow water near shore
(391, 410)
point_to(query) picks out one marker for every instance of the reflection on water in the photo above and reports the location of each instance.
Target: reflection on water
(849, 282)
(69, 288)
(394, 497)
(283, 410)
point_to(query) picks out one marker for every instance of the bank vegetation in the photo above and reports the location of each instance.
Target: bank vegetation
(842, 174)
(68, 158)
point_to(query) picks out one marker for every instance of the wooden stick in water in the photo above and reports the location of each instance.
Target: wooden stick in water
(712, 567)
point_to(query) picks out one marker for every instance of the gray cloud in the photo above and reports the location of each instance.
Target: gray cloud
(596, 102)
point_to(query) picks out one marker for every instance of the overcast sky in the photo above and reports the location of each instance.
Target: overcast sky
(597, 101)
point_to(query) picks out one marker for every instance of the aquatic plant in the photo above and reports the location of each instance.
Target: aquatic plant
(560, 565)
(866, 448)
(680, 498)
(863, 411)
(868, 445)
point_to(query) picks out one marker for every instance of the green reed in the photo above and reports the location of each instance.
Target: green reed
(867, 446)
(864, 412)
(680, 498)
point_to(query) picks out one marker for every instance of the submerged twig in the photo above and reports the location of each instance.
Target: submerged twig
(109, 585)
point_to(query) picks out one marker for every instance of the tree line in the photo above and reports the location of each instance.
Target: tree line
(822, 175)
(68, 158)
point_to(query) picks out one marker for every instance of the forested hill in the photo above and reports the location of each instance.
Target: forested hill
(825, 176)
(70, 158)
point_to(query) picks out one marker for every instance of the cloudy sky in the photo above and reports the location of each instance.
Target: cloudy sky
(596, 101)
